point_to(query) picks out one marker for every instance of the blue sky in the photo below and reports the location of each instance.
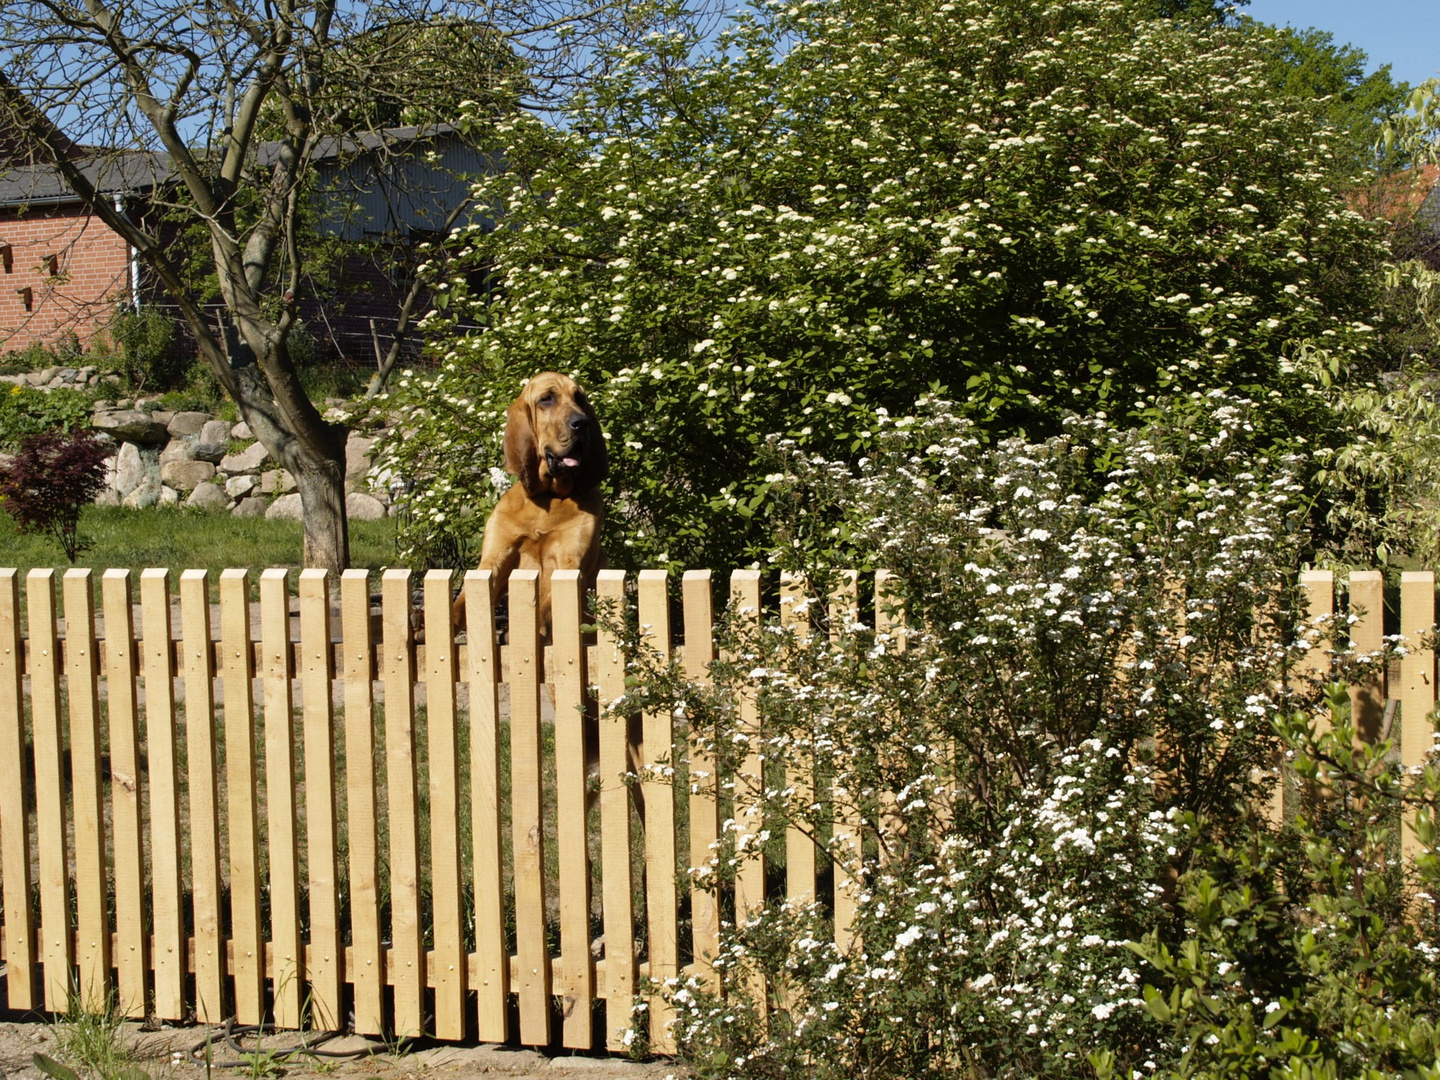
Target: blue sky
(1402, 33)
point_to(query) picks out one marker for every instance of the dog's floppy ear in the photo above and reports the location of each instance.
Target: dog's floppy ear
(595, 465)
(522, 457)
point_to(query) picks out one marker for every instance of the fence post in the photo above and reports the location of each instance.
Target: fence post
(704, 784)
(799, 777)
(132, 949)
(287, 968)
(14, 798)
(844, 610)
(1367, 635)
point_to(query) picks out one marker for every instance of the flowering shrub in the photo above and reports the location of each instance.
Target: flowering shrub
(1037, 205)
(1084, 666)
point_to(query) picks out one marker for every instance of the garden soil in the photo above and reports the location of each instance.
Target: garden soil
(171, 1054)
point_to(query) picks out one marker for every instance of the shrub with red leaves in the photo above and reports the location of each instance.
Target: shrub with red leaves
(46, 484)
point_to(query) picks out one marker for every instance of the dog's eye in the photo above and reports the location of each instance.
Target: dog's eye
(547, 398)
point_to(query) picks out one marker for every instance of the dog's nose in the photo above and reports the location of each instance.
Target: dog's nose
(578, 422)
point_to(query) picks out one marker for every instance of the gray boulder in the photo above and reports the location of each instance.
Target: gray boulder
(250, 507)
(207, 497)
(129, 469)
(248, 460)
(186, 475)
(187, 423)
(215, 431)
(130, 425)
(286, 508)
(362, 507)
(145, 495)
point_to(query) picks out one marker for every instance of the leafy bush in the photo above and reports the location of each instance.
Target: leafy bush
(1084, 671)
(1039, 205)
(147, 357)
(27, 411)
(53, 477)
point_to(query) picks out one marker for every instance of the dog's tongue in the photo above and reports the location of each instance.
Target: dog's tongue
(570, 462)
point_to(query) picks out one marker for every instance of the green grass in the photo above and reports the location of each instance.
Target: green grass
(183, 539)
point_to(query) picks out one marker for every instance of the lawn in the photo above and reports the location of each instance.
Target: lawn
(183, 539)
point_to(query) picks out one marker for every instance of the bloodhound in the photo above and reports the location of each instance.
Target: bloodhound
(551, 519)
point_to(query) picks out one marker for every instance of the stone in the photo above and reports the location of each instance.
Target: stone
(187, 423)
(286, 508)
(177, 450)
(208, 497)
(186, 475)
(162, 416)
(169, 496)
(145, 494)
(277, 482)
(208, 451)
(362, 507)
(251, 507)
(241, 431)
(237, 487)
(107, 497)
(215, 431)
(248, 460)
(129, 469)
(130, 425)
(357, 459)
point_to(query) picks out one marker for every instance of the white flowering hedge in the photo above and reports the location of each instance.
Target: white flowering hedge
(1061, 761)
(1038, 205)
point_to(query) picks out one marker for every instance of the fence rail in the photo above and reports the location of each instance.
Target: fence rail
(293, 810)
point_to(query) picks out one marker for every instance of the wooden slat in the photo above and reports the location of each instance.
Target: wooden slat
(57, 948)
(490, 973)
(567, 678)
(242, 803)
(526, 809)
(699, 653)
(890, 627)
(408, 952)
(1367, 635)
(366, 969)
(448, 972)
(201, 767)
(1417, 688)
(162, 771)
(92, 952)
(324, 958)
(287, 969)
(615, 883)
(132, 941)
(800, 773)
(661, 901)
(1318, 589)
(844, 611)
(14, 800)
(750, 784)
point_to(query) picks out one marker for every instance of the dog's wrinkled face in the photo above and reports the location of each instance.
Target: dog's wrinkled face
(553, 441)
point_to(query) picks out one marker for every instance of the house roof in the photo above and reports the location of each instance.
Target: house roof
(112, 173)
(117, 172)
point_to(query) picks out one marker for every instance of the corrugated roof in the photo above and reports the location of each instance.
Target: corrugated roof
(112, 173)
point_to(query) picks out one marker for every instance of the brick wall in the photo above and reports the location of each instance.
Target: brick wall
(74, 269)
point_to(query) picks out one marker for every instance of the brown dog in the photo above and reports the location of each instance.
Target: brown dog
(551, 519)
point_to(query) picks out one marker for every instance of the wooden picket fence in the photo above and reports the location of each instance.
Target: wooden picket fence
(170, 863)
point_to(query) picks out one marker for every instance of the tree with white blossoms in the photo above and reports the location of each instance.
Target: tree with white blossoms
(1038, 205)
(1076, 729)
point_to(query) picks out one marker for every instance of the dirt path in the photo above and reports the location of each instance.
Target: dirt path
(166, 1055)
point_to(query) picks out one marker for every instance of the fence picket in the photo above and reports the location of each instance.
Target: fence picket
(844, 610)
(704, 806)
(91, 872)
(200, 763)
(163, 774)
(1417, 688)
(286, 966)
(567, 679)
(661, 901)
(1367, 634)
(14, 798)
(132, 943)
(406, 968)
(527, 808)
(57, 952)
(324, 956)
(241, 776)
(616, 882)
(448, 970)
(366, 962)
(490, 976)
(749, 803)
(800, 776)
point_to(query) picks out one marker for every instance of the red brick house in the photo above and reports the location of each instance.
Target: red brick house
(65, 272)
